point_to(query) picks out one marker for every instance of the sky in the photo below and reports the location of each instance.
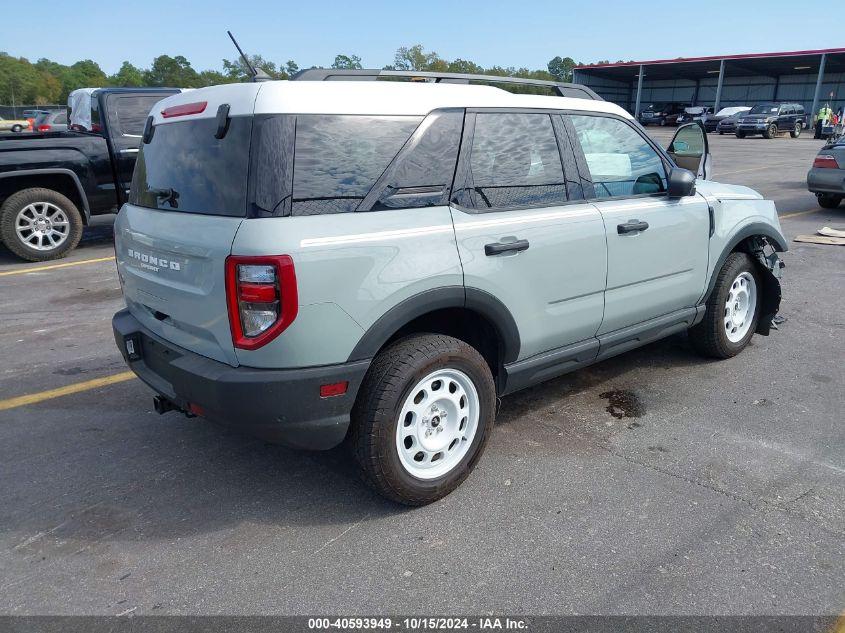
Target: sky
(515, 33)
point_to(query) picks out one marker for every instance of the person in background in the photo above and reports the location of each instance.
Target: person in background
(824, 115)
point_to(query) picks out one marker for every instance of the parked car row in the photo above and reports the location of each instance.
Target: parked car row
(767, 119)
(36, 121)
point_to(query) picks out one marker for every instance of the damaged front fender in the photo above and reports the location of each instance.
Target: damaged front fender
(771, 270)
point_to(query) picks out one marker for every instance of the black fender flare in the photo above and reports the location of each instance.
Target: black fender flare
(427, 301)
(86, 209)
(771, 286)
(755, 228)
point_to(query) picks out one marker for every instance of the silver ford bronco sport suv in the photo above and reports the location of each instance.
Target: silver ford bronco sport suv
(378, 261)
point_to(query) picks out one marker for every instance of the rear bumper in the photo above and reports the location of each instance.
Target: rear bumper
(826, 180)
(281, 406)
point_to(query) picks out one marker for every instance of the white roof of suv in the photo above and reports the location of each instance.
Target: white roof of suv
(365, 97)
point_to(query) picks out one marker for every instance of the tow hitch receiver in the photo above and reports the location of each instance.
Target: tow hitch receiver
(162, 405)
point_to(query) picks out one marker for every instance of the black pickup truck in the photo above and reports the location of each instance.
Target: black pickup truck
(52, 183)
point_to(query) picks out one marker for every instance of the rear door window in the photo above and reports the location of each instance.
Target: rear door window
(338, 159)
(515, 162)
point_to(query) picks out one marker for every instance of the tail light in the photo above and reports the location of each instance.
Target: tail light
(44, 128)
(826, 161)
(262, 298)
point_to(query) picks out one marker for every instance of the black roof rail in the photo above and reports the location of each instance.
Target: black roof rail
(576, 91)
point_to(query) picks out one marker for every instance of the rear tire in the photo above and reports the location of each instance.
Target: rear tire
(771, 131)
(40, 224)
(796, 131)
(829, 201)
(732, 310)
(425, 395)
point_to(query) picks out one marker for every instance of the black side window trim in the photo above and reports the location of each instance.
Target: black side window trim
(374, 194)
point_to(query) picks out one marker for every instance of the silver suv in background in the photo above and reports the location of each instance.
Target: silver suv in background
(379, 261)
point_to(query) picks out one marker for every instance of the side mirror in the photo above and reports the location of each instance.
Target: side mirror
(681, 183)
(690, 149)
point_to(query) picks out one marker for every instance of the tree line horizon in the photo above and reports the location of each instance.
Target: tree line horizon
(48, 82)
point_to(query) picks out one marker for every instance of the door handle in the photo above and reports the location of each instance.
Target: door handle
(497, 248)
(631, 226)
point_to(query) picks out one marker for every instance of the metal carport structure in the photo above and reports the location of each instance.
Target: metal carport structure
(805, 77)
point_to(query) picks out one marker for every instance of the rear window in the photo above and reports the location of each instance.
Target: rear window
(128, 114)
(185, 168)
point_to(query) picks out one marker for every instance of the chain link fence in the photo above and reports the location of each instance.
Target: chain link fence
(16, 111)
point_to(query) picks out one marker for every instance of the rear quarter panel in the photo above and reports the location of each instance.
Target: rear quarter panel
(351, 268)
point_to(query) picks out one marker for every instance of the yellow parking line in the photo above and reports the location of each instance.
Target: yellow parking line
(795, 215)
(52, 266)
(32, 398)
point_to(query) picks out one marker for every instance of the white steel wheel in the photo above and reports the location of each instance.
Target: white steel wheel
(740, 307)
(42, 226)
(437, 423)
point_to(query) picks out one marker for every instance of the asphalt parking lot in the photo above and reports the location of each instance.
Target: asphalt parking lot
(653, 483)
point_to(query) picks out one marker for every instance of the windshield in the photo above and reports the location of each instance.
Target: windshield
(764, 108)
(185, 168)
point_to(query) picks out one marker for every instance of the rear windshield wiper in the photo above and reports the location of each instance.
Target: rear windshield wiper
(170, 196)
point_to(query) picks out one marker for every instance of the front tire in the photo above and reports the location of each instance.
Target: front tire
(771, 131)
(422, 418)
(16, 129)
(829, 201)
(40, 224)
(732, 311)
(740, 134)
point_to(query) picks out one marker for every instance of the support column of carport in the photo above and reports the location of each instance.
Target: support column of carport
(639, 92)
(819, 81)
(719, 86)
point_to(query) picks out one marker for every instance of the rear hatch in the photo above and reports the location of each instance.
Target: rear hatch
(187, 200)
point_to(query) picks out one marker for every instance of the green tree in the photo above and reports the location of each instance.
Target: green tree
(463, 66)
(236, 70)
(214, 78)
(561, 68)
(416, 58)
(291, 68)
(347, 61)
(174, 72)
(127, 76)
